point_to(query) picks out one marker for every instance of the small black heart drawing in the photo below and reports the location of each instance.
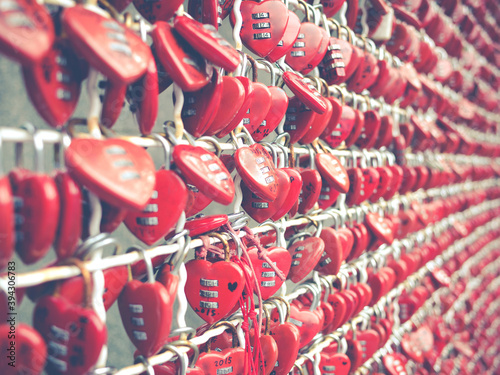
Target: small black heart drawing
(232, 286)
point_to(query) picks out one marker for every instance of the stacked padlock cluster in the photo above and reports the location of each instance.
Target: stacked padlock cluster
(368, 157)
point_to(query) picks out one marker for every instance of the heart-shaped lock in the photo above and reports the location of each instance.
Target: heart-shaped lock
(158, 10)
(347, 241)
(213, 289)
(299, 119)
(355, 353)
(363, 183)
(287, 338)
(308, 323)
(338, 302)
(380, 227)
(54, 84)
(395, 364)
(257, 170)
(317, 127)
(143, 96)
(259, 209)
(117, 171)
(335, 135)
(206, 171)
(288, 38)
(200, 107)
(332, 170)
(146, 312)
(112, 49)
(365, 74)
(260, 105)
(335, 363)
(208, 42)
(361, 239)
(112, 103)
(332, 68)
(311, 189)
(357, 128)
(77, 331)
(39, 211)
(327, 196)
(279, 105)
(369, 132)
(204, 224)
(196, 201)
(70, 217)
(305, 91)
(329, 263)
(384, 137)
(228, 361)
(306, 47)
(162, 210)
(385, 179)
(370, 343)
(208, 12)
(267, 279)
(233, 98)
(27, 31)
(292, 197)
(397, 173)
(305, 255)
(264, 25)
(182, 63)
(27, 354)
(269, 351)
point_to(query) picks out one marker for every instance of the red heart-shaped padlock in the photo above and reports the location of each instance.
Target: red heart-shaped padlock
(279, 105)
(70, 216)
(288, 38)
(257, 170)
(306, 46)
(264, 25)
(355, 353)
(24, 350)
(112, 103)
(385, 179)
(146, 312)
(54, 84)
(287, 337)
(213, 289)
(26, 31)
(332, 170)
(357, 128)
(361, 239)
(335, 363)
(328, 195)
(113, 49)
(380, 227)
(298, 119)
(260, 210)
(395, 364)
(268, 282)
(305, 255)
(162, 211)
(311, 189)
(200, 107)
(182, 63)
(339, 305)
(228, 361)
(369, 132)
(208, 42)
(233, 97)
(335, 135)
(308, 323)
(347, 241)
(370, 342)
(269, 352)
(397, 173)
(159, 10)
(7, 225)
(40, 214)
(117, 171)
(305, 91)
(206, 171)
(329, 263)
(143, 95)
(292, 197)
(76, 331)
(319, 124)
(204, 224)
(259, 107)
(365, 74)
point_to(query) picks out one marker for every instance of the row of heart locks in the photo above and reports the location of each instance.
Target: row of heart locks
(149, 328)
(54, 68)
